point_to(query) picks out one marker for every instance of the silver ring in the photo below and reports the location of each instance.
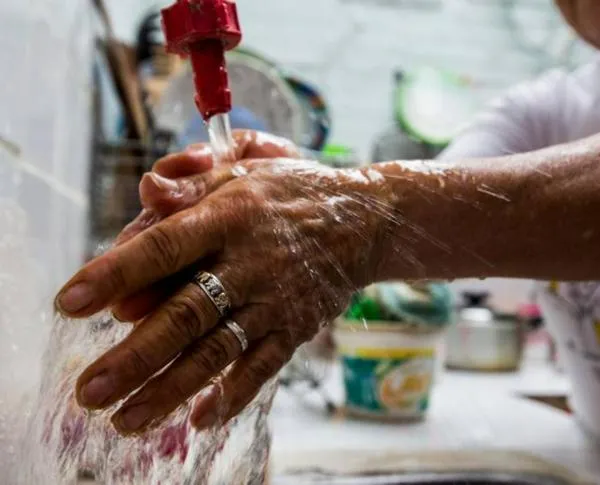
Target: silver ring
(239, 171)
(214, 289)
(239, 333)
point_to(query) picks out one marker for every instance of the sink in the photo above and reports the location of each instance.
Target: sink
(425, 468)
(468, 478)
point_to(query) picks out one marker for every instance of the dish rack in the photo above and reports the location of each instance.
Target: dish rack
(117, 169)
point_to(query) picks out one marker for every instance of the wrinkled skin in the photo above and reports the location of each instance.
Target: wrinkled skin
(289, 250)
(584, 17)
(174, 186)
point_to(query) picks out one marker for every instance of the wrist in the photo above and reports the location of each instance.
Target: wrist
(504, 217)
(433, 225)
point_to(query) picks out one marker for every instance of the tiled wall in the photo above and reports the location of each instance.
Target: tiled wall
(45, 54)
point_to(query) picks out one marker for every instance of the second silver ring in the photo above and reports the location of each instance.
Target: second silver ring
(239, 333)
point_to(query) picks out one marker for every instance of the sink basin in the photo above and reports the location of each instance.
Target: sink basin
(426, 468)
(468, 478)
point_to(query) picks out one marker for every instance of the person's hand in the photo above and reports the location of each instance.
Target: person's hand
(174, 185)
(290, 242)
(178, 182)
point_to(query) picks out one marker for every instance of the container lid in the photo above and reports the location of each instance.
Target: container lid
(477, 315)
(475, 308)
(433, 105)
(403, 304)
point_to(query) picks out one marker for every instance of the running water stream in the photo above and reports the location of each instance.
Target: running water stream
(61, 444)
(221, 139)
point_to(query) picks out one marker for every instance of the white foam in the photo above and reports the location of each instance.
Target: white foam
(423, 166)
(337, 200)
(375, 176)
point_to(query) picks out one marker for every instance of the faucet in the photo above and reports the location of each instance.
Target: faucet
(203, 30)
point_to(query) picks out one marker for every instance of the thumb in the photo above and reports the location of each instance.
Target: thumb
(195, 160)
(162, 197)
(166, 196)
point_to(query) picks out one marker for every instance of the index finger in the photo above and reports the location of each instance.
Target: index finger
(248, 144)
(152, 345)
(161, 251)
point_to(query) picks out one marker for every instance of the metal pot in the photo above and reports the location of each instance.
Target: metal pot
(483, 340)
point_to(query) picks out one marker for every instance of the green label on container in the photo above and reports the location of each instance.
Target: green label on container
(394, 386)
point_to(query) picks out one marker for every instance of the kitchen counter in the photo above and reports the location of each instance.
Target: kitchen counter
(471, 412)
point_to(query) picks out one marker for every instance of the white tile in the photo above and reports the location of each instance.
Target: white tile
(36, 198)
(10, 176)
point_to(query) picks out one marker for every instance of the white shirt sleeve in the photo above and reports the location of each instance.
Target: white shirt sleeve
(529, 117)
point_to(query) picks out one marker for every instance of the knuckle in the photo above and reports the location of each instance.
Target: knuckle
(162, 249)
(218, 350)
(137, 365)
(186, 315)
(201, 362)
(261, 371)
(212, 355)
(117, 279)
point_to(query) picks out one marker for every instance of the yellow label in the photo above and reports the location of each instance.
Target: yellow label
(378, 353)
(597, 331)
(404, 393)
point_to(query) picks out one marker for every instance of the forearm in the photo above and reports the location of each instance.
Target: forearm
(534, 215)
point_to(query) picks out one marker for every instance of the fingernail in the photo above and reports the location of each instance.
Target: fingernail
(118, 319)
(200, 151)
(75, 298)
(163, 183)
(134, 418)
(97, 391)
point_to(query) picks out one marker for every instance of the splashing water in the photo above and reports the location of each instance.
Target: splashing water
(63, 441)
(23, 331)
(221, 139)
(59, 443)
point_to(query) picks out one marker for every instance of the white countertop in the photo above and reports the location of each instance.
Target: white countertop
(470, 412)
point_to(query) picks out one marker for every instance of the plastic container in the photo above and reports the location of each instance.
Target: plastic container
(483, 340)
(389, 369)
(572, 314)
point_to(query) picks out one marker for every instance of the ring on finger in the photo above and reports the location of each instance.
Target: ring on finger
(239, 171)
(239, 333)
(214, 289)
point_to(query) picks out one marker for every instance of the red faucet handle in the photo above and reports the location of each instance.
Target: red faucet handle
(189, 22)
(204, 30)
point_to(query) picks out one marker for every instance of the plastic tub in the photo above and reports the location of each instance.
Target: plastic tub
(389, 369)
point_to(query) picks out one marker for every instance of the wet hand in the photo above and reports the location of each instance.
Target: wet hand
(290, 241)
(178, 182)
(175, 183)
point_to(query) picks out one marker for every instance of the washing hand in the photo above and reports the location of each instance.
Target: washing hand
(278, 246)
(289, 240)
(180, 181)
